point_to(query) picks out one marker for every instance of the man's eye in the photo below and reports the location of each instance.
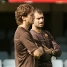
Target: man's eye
(31, 15)
(38, 18)
(42, 17)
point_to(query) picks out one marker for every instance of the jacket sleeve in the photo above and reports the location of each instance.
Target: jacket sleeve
(55, 46)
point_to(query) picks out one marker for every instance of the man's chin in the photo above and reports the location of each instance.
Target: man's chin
(40, 27)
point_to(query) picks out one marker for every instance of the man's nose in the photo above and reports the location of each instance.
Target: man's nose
(41, 20)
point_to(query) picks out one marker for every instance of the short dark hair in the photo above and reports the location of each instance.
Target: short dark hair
(22, 10)
(38, 10)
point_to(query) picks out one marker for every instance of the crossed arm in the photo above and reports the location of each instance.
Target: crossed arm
(40, 51)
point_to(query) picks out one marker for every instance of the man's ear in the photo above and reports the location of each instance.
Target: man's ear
(24, 18)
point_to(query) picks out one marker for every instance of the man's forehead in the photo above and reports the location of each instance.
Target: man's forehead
(38, 14)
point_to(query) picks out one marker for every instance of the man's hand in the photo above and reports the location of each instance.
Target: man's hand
(49, 51)
(37, 53)
(45, 48)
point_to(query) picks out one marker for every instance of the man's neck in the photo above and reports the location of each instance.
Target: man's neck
(38, 30)
(24, 26)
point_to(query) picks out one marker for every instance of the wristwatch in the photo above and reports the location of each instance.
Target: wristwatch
(53, 52)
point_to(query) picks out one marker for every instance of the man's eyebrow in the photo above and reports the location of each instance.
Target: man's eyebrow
(40, 17)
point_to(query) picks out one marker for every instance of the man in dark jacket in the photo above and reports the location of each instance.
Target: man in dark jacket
(26, 51)
(44, 38)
